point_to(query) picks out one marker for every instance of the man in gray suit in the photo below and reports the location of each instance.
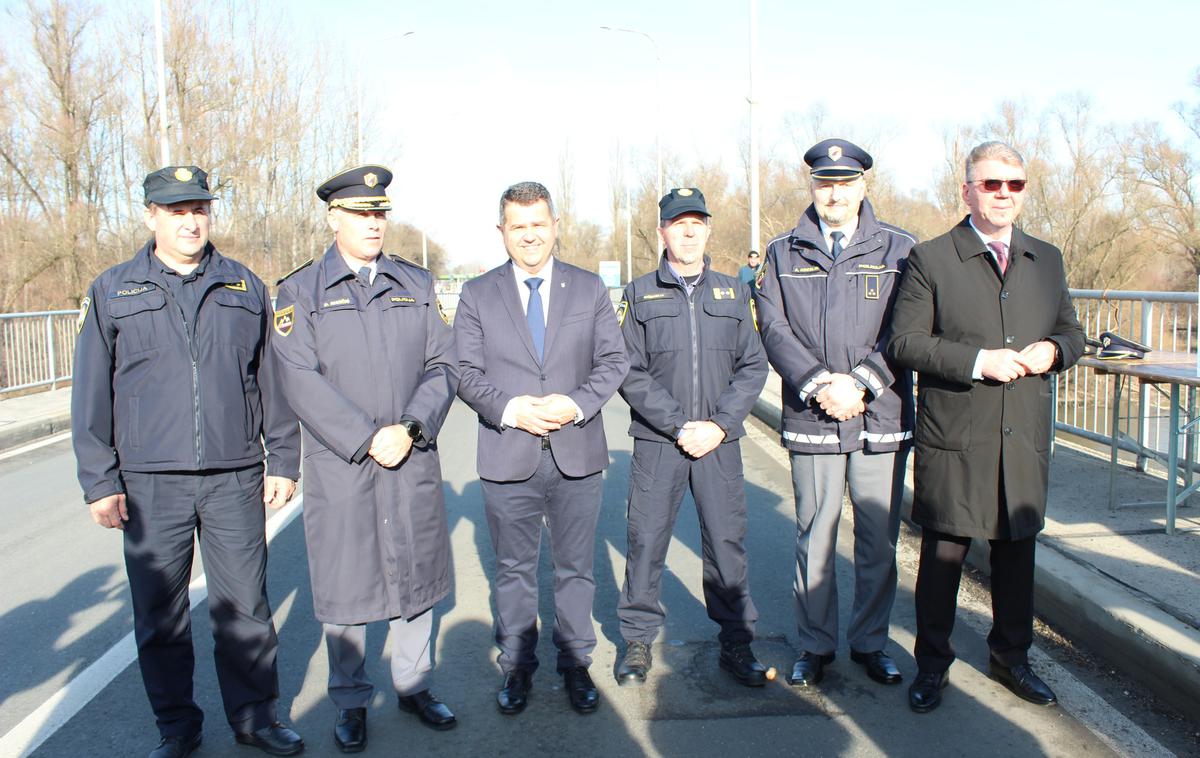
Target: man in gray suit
(540, 353)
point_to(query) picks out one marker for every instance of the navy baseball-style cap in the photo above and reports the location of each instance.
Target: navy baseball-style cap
(176, 184)
(361, 188)
(838, 160)
(680, 201)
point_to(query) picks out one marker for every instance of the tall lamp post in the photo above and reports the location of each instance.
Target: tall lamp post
(755, 214)
(657, 103)
(164, 147)
(359, 104)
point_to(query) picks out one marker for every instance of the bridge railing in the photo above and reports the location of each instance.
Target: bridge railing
(36, 349)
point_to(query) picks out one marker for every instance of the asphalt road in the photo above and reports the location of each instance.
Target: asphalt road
(65, 604)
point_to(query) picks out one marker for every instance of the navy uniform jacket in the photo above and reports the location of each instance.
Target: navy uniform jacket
(148, 396)
(817, 314)
(694, 358)
(584, 359)
(353, 359)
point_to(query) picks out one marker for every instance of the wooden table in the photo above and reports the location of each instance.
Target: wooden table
(1158, 367)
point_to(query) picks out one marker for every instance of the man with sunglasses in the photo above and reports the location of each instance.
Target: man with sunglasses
(824, 304)
(984, 317)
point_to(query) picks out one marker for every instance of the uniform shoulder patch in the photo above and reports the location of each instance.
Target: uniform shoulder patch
(760, 275)
(622, 310)
(285, 319)
(84, 305)
(754, 314)
(724, 293)
(441, 311)
(301, 267)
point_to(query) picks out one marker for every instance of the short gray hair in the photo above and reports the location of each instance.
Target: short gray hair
(992, 151)
(526, 193)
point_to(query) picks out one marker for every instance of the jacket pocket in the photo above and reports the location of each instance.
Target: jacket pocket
(944, 419)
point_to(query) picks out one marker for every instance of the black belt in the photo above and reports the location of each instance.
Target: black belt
(545, 441)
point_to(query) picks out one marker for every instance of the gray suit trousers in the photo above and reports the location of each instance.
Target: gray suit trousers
(876, 482)
(412, 661)
(569, 507)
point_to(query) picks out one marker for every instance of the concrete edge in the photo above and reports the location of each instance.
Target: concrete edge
(1136, 638)
(28, 431)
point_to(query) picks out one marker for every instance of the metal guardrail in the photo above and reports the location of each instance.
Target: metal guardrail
(36, 349)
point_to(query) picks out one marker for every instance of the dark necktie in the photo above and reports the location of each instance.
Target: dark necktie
(1001, 251)
(533, 314)
(364, 276)
(836, 248)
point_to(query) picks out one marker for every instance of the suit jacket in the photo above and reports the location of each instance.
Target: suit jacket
(584, 359)
(981, 446)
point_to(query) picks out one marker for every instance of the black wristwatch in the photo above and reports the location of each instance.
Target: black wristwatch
(413, 427)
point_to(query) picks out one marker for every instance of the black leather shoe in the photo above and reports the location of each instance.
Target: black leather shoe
(276, 739)
(925, 693)
(514, 693)
(635, 665)
(738, 659)
(432, 712)
(581, 690)
(809, 669)
(1023, 682)
(879, 666)
(176, 747)
(350, 730)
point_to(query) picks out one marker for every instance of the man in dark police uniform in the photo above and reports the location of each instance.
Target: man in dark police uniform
(172, 403)
(696, 368)
(367, 361)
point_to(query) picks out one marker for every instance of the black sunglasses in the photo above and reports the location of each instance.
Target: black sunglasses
(994, 185)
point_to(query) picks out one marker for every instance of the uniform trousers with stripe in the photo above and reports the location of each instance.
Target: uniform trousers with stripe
(876, 485)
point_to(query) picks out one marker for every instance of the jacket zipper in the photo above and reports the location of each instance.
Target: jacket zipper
(695, 353)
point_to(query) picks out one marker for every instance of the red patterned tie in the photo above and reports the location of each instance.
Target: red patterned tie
(1001, 251)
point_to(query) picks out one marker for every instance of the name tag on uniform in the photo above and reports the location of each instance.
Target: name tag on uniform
(873, 266)
(871, 286)
(805, 270)
(403, 300)
(724, 293)
(654, 296)
(131, 292)
(339, 301)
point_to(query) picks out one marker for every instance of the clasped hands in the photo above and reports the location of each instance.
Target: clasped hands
(840, 397)
(699, 438)
(542, 415)
(1005, 365)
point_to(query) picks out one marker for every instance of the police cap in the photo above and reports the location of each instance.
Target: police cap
(681, 200)
(838, 160)
(176, 184)
(358, 189)
(1116, 347)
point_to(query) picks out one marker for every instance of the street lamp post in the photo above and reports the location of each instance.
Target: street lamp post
(164, 147)
(359, 101)
(754, 178)
(657, 98)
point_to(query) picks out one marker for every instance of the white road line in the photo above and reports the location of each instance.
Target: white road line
(35, 445)
(1095, 713)
(60, 707)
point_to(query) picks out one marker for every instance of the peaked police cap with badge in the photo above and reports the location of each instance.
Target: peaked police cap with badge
(680, 201)
(176, 184)
(357, 189)
(838, 160)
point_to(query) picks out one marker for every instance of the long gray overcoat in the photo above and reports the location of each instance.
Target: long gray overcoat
(354, 358)
(981, 446)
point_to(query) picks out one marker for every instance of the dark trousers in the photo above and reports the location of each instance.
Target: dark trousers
(225, 509)
(569, 507)
(938, 577)
(660, 473)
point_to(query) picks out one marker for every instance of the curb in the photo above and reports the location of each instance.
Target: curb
(29, 431)
(1135, 637)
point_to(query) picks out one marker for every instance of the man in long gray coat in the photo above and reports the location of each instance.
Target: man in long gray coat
(368, 364)
(984, 317)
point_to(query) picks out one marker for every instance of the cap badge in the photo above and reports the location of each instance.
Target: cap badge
(370, 180)
(685, 192)
(182, 174)
(835, 152)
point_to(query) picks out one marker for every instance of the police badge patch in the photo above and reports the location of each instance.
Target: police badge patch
(441, 311)
(83, 310)
(762, 274)
(284, 320)
(622, 309)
